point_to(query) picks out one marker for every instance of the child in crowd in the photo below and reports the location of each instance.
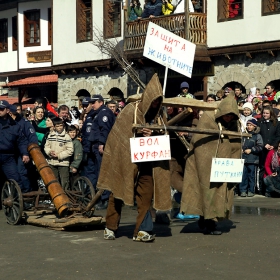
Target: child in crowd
(252, 94)
(246, 115)
(77, 156)
(59, 148)
(251, 147)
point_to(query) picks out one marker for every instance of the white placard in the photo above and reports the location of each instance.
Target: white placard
(227, 170)
(170, 50)
(152, 148)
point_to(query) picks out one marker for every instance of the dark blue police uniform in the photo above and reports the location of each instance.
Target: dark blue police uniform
(11, 141)
(103, 120)
(25, 170)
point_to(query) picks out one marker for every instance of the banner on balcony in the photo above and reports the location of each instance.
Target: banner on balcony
(170, 50)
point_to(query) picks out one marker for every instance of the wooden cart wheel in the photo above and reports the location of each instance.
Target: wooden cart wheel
(12, 202)
(86, 192)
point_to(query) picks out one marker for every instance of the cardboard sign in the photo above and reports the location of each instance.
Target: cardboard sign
(170, 50)
(152, 148)
(228, 170)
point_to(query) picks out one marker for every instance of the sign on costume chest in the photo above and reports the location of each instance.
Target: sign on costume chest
(226, 170)
(153, 148)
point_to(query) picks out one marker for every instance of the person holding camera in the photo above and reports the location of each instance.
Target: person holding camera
(167, 7)
(134, 10)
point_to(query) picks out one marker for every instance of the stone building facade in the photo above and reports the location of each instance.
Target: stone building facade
(72, 88)
(249, 72)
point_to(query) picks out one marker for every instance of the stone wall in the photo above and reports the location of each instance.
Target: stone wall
(250, 72)
(97, 83)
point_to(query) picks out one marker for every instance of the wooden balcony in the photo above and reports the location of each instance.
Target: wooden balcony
(135, 31)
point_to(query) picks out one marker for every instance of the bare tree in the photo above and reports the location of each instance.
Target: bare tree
(113, 49)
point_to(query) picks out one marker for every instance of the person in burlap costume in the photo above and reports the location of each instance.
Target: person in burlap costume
(126, 180)
(212, 201)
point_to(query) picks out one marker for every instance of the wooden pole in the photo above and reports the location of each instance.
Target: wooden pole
(180, 116)
(165, 80)
(192, 129)
(187, 26)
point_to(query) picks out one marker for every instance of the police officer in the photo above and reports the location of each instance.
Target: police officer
(29, 132)
(88, 157)
(103, 120)
(11, 140)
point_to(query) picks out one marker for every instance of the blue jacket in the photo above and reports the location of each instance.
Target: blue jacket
(86, 128)
(152, 9)
(27, 129)
(12, 138)
(255, 143)
(103, 121)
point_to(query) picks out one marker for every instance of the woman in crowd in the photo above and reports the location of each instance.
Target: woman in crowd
(272, 171)
(134, 10)
(270, 132)
(211, 98)
(39, 123)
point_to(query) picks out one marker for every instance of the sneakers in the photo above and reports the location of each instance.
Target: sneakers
(109, 234)
(144, 236)
(250, 194)
(243, 194)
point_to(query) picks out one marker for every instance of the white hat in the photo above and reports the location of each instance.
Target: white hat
(248, 105)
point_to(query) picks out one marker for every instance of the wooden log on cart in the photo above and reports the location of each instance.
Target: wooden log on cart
(191, 129)
(183, 102)
(59, 198)
(181, 116)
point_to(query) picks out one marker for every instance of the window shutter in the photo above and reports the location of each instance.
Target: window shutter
(15, 33)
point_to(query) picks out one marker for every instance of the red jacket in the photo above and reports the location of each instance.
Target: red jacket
(267, 165)
(270, 97)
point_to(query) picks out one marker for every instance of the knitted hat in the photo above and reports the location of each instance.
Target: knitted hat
(253, 121)
(184, 85)
(248, 105)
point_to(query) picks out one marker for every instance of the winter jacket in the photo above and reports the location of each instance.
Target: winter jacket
(27, 129)
(134, 12)
(255, 144)
(77, 156)
(103, 121)
(62, 145)
(12, 138)
(267, 165)
(40, 135)
(87, 125)
(269, 132)
(167, 8)
(152, 9)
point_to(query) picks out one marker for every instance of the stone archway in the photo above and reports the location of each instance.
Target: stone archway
(271, 73)
(228, 76)
(81, 85)
(119, 83)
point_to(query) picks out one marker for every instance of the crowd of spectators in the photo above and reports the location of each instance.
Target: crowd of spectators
(260, 117)
(61, 135)
(154, 8)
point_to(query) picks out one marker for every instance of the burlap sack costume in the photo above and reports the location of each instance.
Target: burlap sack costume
(200, 197)
(118, 173)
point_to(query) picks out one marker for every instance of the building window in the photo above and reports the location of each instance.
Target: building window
(112, 18)
(4, 35)
(32, 28)
(230, 10)
(15, 33)
(84, 21)
(49, 26)
(270, 7)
